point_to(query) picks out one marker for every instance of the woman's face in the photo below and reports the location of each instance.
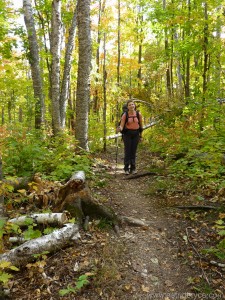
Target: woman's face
(131, 106)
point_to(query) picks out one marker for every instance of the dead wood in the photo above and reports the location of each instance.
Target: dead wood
(115, 136)
(133, 221)
(218, 264)
(197, 207)
(141, 175)
(44, 218)
(58, 239)
(76, 198)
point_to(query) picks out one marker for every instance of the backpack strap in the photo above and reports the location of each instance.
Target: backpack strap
(127, 116)
(137, 115)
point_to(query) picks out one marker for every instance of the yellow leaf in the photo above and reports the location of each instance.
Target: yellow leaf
(4, 264)
(22, 191)
(90, 274)
(145, 289)
(127, 287)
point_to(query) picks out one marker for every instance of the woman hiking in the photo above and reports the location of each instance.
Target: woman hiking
(131, 128)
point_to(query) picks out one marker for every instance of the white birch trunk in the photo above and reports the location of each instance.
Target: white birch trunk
(34, 61)
(56, 28)
(84, 69)
(44, 218)
(2, 211)
(58, 239)
(67, 67)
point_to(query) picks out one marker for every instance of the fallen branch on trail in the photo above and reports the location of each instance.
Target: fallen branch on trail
(196, 207)
(215, 263)
(58, 239)
(133, 221)
(140, 175)
(199, 256)
(44, 218)
(115, 136)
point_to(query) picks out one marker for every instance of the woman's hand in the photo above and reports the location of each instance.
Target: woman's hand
(118, 129)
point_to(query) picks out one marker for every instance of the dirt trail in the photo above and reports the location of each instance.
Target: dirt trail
(153, 268)
(138, 263)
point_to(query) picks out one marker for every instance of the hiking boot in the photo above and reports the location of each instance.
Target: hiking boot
(133, 172)
(127, 172)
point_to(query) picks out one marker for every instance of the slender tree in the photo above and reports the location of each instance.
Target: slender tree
(187, 79)
(56, 35)
(64, 95)
(84, 69)
(99, 33)
(140, 43)
(104, 93)
(34, 63)
(2, 212)
(205, 66)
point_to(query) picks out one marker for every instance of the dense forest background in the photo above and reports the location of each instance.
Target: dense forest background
(67, 68)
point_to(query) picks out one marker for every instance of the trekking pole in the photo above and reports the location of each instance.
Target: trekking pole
(117, 147)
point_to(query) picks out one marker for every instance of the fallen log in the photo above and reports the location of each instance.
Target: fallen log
(44, 218)
(16, 239)
(197, 207)
(56, 240)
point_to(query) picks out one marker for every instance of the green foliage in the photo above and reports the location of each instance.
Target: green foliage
(31, 233)
(2, 223)
(104, 224)
(219, 249)
(11, 228)
(188, 152)
(42, 255)
(22, 153)
(4, 275)
(96, 132)
(26, 153)
(80, 283)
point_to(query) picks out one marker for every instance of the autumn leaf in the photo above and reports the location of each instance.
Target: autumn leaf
(145, 289)
(4, 277)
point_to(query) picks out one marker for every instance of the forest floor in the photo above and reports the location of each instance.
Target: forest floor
(162, 260)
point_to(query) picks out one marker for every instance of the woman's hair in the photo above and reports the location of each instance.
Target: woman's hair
(129, 101)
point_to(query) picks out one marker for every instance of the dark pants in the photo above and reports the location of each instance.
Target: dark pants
(130, 139)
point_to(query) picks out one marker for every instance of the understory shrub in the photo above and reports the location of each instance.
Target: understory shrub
(26, 153)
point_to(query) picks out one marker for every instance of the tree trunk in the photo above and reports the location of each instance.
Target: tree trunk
(67, 67)
(44, 218)
(118, 61)
(96, 96)
(187, 82)
(104, 95)
(140, 42)
(205, 69)
(2, 211)
(57, 240)
(55, 64)
(84, 68)
(118, 46)
(168, 73)
(34, 63)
